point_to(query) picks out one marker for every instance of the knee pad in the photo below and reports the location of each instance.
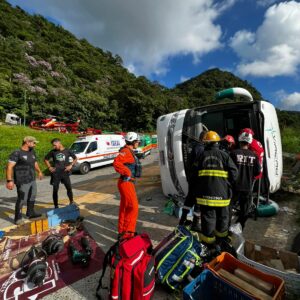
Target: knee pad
(53, 244)
(34, 265)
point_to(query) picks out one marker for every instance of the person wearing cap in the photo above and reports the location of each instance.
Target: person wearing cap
(61, 169)
(21, 168)
(216, 173)
(129, 168)
(248, 166)
(257, 148)
(227, 143)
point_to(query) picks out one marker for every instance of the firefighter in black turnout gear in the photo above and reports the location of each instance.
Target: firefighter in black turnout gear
(216, 173)
(190, 199)
(249, 167)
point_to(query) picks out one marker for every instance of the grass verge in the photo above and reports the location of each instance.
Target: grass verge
(11, 139)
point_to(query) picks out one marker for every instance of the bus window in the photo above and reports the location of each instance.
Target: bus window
(235, 121)
(214, 121)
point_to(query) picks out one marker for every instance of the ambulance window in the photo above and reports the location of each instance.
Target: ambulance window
(78, 147)
(92, 147)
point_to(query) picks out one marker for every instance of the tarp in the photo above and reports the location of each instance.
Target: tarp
(61, 271)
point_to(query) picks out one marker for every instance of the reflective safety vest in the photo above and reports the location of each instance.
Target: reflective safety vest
(127, 164)
(135, 168)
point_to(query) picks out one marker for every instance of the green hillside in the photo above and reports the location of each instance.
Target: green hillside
(60, 75)
(11, 139)
(67, 77)
(201, 89)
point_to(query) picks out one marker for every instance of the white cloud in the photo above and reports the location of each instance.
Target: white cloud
(146, 33)
(131, 68)
(288, 101)
(184, 78)
(274, 49)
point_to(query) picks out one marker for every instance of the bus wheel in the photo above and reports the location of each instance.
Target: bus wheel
(84, 168)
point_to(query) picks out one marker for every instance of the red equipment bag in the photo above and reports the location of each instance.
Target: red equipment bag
(132, 273)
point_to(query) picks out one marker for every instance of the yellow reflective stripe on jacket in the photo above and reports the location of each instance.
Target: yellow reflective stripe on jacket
(221, 234)
(214, 202)
(214, 173)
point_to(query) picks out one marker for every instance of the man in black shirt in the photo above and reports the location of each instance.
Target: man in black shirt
(248, 166)
(20, 171)
(61, 169)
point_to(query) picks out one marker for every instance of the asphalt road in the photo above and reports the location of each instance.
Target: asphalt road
(44, 189)
(97, 196)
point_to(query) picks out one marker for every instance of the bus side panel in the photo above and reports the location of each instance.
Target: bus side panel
(272, 144)
(169, 131)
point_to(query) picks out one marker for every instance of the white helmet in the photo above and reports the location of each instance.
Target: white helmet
(246, 137)
(132, 136)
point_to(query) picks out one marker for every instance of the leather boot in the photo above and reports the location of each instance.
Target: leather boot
(196, 226)
(31, 214)
(183, 216)
(18, 215)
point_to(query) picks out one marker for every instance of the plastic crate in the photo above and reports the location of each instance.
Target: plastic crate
(229, 263)
(292, 281)
(209, 286)
(58, 215)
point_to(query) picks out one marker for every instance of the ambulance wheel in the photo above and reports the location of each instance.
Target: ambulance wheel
(84, 168)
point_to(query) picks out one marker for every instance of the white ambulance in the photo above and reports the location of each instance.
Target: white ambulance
(96, 150)
(178, 131)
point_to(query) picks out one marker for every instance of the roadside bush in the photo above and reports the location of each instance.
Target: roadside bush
(290, 140)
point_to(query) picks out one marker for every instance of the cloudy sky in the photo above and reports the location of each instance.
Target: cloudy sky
(173, 40)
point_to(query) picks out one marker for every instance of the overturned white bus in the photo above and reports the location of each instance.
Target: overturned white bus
(178, 131)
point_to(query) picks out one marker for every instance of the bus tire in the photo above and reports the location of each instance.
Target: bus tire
(84, 168)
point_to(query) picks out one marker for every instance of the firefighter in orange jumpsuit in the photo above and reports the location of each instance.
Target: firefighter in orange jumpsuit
(129, 167)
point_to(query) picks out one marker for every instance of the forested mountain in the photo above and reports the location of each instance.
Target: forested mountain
(201, 89)
(67, 77)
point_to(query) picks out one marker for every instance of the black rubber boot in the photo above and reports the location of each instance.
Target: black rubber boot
(196, 226)
(225, 245)
(18, 217)
(183, 216)
(31, 214)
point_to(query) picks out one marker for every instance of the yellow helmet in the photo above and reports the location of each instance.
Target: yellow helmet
(211, 136)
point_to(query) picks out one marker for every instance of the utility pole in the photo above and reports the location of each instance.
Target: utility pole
(24, 107)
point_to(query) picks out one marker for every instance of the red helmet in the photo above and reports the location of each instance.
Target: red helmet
(229, 139)
(248, 130)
